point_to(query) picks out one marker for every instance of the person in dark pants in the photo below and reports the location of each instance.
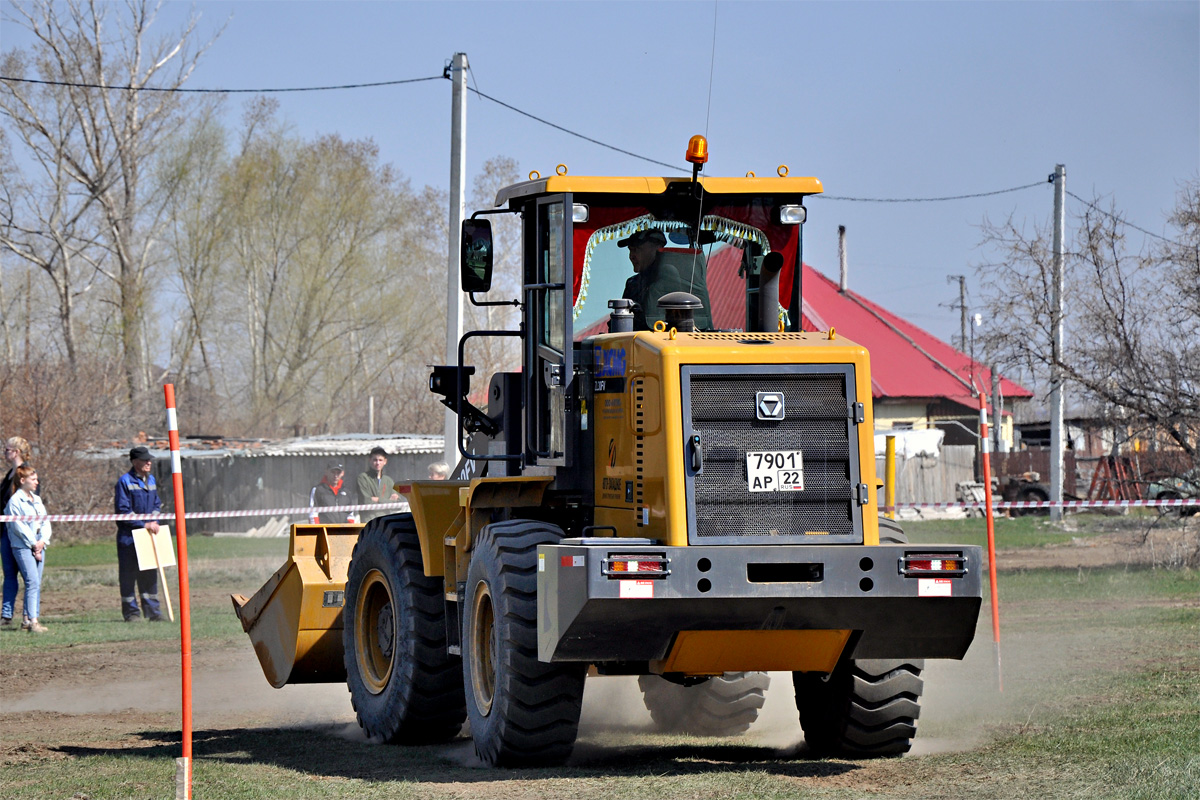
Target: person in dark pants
(16, 452)
(136, 493)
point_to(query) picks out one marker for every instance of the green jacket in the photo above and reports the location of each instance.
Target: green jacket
(369, 486)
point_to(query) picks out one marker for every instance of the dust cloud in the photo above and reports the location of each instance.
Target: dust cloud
(960, 703)
(233, 690)
(612, 703)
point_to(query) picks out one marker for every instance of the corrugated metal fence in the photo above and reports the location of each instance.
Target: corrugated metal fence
(227, 483)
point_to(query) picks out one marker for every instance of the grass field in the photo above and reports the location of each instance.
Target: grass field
(1101, 699)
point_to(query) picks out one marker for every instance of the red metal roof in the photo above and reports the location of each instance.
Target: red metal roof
(906, 361)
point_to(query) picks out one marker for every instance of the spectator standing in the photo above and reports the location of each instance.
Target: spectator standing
(16, 452)
(439, 471)
(28, 540)
(374, 486)
(136, 493)
(331, 492)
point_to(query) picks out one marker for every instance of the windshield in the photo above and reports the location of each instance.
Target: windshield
(641, 255)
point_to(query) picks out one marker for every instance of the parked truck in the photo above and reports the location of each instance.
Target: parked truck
(693, 503)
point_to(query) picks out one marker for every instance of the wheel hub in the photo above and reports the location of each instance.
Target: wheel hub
(385, 630)
(375, 629)
(483, 648)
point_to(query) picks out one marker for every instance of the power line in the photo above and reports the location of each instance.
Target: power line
(925, 199)
(220, 91)
(576, 134)
(570, 132)
(1125, 222)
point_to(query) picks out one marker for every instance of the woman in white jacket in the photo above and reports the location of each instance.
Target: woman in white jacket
(29, 540)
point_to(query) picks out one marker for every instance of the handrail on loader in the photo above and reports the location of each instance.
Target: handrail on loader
(295, 619)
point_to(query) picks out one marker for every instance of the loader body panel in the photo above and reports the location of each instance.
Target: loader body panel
(859, 591)
(652, 393)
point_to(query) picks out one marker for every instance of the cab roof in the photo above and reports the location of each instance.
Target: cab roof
(558, 184)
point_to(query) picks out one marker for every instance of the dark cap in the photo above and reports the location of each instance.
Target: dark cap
(140, 453)
(641, 237)
(378, 451)
(331, 465)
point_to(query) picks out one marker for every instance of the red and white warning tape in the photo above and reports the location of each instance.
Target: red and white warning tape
(258, 512)
(402, 506)
(1194, 502)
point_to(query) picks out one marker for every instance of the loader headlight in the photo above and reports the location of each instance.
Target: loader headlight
(792, 215)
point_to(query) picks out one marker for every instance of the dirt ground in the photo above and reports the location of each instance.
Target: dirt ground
(107, 697)
(1133, 547)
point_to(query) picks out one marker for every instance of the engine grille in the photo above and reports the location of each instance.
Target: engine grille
(818, 422)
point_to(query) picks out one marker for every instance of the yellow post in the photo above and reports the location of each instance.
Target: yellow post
(889, 479)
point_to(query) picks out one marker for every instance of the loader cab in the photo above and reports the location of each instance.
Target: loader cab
(712, 238)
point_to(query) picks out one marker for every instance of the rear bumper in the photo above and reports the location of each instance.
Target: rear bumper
(585, 615)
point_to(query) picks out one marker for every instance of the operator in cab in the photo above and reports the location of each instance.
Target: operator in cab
(654, 276)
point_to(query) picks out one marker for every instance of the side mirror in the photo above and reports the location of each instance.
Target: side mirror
(476, 255)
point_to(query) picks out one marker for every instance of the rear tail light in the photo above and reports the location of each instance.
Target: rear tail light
(927, 564)
(639, 565)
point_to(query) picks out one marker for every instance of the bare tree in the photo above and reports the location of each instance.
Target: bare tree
(48, 223)
(104, 105)
(196, 240)
(1132, 349)
(312, 227)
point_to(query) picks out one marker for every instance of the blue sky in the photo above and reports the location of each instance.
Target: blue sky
(877, 99)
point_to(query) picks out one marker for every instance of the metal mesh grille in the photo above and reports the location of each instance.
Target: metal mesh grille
(816, 423)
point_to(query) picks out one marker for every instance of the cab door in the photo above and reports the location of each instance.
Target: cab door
(548, 384)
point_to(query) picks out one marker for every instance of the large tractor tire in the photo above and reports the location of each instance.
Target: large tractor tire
(864, 709)
(522, 712)
(404, 686)
(1032, 494)
(890, 531)
(724, 705)
(1170, 511)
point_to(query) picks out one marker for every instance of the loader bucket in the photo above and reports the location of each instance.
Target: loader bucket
(295, 619)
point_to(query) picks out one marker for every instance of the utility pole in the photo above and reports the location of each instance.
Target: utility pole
(457, 73)
(1056, 348)
(997, 412)
(844, 280)
(962, 307)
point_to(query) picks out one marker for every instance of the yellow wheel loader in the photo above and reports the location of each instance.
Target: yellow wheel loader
(678, 484)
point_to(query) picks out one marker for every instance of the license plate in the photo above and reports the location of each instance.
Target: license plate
(775, 471)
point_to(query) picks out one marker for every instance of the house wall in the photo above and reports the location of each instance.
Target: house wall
(900, 415)
(918, 416)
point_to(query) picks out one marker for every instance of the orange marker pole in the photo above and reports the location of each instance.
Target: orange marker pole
(183, 765)
(991, 532)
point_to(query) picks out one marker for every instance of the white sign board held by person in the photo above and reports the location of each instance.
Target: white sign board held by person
(155, 551)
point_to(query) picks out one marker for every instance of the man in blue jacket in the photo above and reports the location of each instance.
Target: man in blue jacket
(136, 493)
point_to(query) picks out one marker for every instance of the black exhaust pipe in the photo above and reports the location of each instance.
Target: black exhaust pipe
(768, 293)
